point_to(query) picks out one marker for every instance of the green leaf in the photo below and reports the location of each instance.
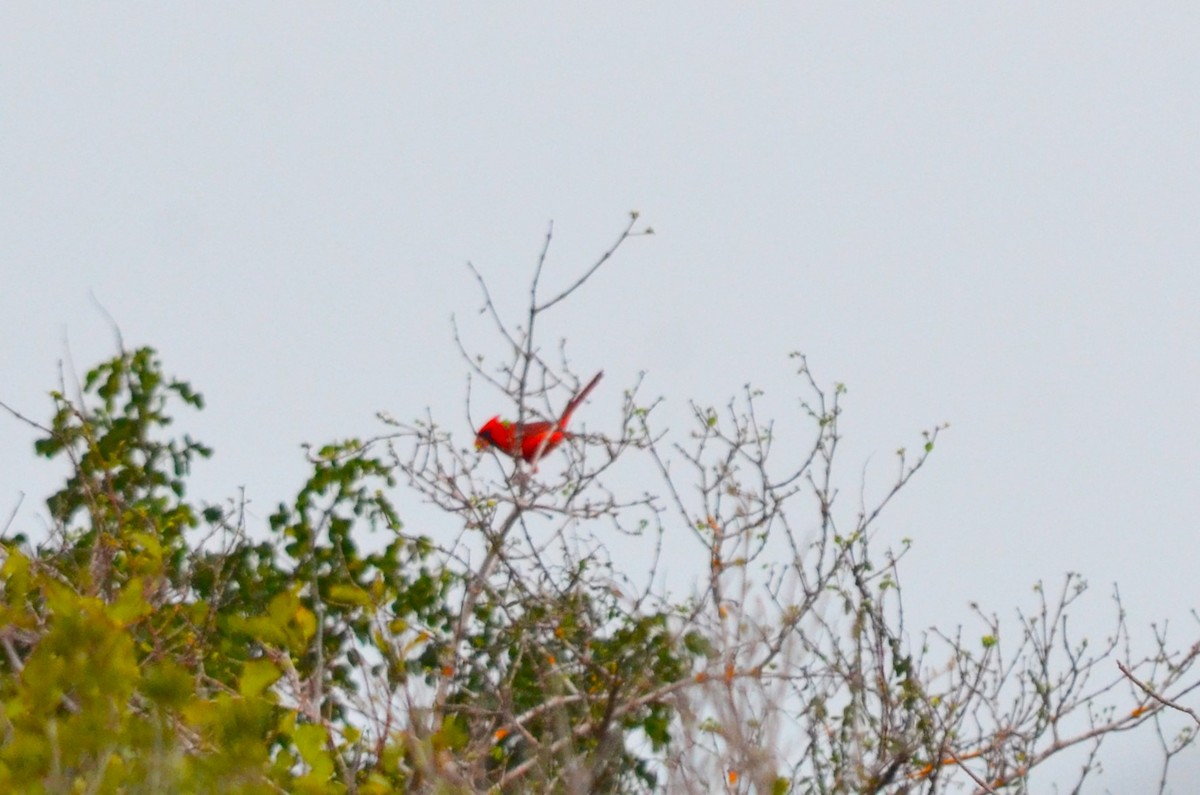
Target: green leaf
(697, 644)
(311, 741)
(349, 595)
(131, 605)
(453, 735)
(168, 684)
(257, 676)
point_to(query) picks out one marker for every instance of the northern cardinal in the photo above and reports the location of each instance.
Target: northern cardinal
(531, 439)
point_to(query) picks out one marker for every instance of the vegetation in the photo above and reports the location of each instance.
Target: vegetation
(151, 644)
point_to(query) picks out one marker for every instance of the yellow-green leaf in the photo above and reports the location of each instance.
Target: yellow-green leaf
(350, 595)
(257, 676)
(131, 605)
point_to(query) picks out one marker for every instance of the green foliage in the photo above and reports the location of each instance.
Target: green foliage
(151, 645)
(123, 477)
(347, 590)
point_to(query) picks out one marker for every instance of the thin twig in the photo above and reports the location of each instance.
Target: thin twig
(12, 516)
(605, 257)
(1155, 695)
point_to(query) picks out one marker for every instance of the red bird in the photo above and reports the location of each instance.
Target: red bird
(531, 439)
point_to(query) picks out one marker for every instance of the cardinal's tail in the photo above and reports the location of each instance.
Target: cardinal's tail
(575, 401)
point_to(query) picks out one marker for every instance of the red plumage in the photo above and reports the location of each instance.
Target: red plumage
(531, 440)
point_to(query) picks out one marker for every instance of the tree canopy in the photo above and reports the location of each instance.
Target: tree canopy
(152, 644)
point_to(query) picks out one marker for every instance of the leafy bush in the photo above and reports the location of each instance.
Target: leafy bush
(152, 645)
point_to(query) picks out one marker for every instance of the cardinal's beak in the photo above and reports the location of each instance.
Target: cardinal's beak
(481, 442)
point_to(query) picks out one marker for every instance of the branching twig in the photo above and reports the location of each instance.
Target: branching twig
(1148, 690)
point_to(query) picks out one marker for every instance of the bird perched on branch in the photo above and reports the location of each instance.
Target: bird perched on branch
(531, 440)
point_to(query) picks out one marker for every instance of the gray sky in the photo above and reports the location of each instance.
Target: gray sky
(985, 216)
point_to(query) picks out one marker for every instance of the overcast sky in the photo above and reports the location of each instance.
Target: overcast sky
(981, 215)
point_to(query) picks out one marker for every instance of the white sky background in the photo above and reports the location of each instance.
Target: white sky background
(983, 216)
